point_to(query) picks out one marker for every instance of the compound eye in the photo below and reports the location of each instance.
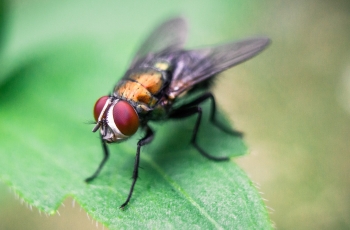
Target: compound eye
(125, 118)
(100, 103)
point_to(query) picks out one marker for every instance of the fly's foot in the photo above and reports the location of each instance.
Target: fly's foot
(89, 179)
(123, 205)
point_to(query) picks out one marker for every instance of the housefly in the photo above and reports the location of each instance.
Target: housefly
(161, 74)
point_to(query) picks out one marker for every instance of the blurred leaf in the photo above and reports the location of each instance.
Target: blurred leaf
(3, 14)
(47, 151)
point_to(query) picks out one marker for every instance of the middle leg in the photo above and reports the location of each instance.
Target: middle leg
(189, 111)
(210, 96)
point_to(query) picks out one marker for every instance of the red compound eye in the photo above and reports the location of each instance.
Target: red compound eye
(100, 103)
(125, 118)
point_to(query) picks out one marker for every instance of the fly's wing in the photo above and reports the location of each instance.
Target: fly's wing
(166, 38)
(195, 66)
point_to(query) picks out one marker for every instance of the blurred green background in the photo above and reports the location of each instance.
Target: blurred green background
(292, 101)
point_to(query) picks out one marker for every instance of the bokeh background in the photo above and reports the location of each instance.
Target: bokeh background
(292, 102)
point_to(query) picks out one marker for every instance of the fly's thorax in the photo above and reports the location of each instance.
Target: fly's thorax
(135, 92)
(152, 80)
(142, 87)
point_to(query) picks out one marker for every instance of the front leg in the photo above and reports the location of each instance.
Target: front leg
(104, 160)
(145, 140)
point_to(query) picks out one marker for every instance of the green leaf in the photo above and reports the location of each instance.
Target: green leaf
(47, 150)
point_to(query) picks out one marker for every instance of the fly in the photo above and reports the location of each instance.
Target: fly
(161, 74)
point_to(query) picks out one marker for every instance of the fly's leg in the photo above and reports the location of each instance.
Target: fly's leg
(188, 111)
(105, 158)
(145, 140)
(210, 96)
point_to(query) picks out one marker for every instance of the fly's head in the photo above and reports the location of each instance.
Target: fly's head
(117, 119)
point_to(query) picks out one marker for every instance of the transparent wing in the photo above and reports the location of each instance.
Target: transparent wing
(195, 66)
(166, 38)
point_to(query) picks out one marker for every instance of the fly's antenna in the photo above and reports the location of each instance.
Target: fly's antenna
(97, 126)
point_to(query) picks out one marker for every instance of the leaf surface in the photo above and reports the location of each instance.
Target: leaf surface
(47, 150)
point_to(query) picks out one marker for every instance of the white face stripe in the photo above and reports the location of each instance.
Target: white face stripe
(98, 123)
(108, 102)
(111, 124)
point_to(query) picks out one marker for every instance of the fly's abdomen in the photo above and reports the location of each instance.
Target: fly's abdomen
(141, 87)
